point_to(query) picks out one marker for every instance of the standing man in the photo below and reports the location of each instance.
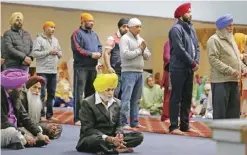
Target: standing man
(226, 68)
(18, 44)
(87, 50)
(112, 53)
(47, 51)
(133, 52)
(184, 61)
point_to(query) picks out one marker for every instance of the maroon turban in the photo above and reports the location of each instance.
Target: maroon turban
(33, 80)
(13, 78)
(181, 10)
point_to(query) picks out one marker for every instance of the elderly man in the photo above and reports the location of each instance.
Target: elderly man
(87, 50)
(13, 114)
(133, 52)
(112, 52)
(18, 44)
(100, 121)
(47, 52)
(32, 103)
(184, 61)
(226, 69)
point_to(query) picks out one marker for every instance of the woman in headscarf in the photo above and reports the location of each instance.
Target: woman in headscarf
(241, 41)
(200, 89)
(152, 97)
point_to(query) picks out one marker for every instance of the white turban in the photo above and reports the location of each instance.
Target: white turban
(134, 22)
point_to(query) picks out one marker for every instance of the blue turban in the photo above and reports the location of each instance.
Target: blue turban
(224, 21)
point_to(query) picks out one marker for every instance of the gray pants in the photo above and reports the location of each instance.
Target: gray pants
(225, 100)
(10, 135)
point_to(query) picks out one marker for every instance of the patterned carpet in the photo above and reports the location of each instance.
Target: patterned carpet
(153, 125)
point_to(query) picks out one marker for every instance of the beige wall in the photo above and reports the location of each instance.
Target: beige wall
(154, 30)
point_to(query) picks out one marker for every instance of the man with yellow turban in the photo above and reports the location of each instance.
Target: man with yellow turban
(47, 52)
(101, 130)
(87, 49)
(17, 44)
(226, 70)
(241, 41)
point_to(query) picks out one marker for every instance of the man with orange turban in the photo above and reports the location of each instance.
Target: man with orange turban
(87, 50)
(184, 61)
(47, 52)
(17, 44)
(101, 130)
(241, 41)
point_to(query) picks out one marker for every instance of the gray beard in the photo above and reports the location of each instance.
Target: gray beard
(34, 106)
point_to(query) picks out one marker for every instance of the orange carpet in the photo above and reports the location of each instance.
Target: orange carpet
(152, 124)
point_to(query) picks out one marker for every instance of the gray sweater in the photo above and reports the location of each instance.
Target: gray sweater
(45, 62)
(131, 55)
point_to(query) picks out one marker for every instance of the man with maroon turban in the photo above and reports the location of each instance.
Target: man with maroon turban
(184, 61)
(13, 114)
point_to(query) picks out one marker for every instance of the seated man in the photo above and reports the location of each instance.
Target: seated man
(31, 101)
(13, 114)
(100, 121)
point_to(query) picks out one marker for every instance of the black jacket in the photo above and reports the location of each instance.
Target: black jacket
(96, 120)
(20, 114)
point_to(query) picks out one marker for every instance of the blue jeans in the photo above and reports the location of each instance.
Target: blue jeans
(50, 84)
(131, 86)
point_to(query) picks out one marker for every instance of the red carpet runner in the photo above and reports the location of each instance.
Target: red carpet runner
(152, 124)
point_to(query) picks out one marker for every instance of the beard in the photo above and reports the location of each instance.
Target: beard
(15, 94)
(17, 26)
(34, 106)
(105, 97)
(122, 32)
(186, 19)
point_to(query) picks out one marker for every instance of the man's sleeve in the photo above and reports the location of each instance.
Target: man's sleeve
(99, 45)
(214, 58)
(10, 49)
(126, 52)
(119, 128)
(197, 58)
(175, 37)
(110, 43)
(59, 50)
(75, 44)
(38, 52)
(146, 54)
(87, 120)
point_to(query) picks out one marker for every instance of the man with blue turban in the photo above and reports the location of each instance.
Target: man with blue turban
(226, 70)
(101, 131)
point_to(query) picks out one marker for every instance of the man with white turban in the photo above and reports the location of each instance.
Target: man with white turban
(133, 52)
(101, 130)
(226, 69)
(17, 44)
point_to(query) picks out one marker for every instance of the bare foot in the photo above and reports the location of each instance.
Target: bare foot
(140, 126)
(62, 105)
(43, 119)
(177, 132)
(124, 150)
(126, 127)
(191, 130)
(78, 123)
(52, 119)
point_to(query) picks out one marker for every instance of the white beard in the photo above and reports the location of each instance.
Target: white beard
(105, 98)
(34, 106)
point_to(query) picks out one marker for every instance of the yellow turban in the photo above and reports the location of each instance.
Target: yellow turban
(15, 16)
(240, 40)
(105, 81)
(86, 16)
(49, 24)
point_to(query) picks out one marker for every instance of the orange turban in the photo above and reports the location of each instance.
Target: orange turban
(240, 40)
(48, 24)
(86, 16)
(181, 10)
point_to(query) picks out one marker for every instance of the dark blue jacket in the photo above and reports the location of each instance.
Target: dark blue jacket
(83, 44)
(181, 50)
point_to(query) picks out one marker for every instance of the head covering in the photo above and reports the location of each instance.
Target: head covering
(15, 16)
(13, 78)
(240, 40)
(134, 22)
(207, 86)
(122, 21)
(86, 16)
(181, 10)
(49, 24)
(33, 80)
(105, 81)
(224, 21)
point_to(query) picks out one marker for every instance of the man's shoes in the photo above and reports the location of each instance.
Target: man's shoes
(15, 146)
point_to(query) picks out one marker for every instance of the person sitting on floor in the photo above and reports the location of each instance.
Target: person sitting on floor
(32, 103)
(204, 99)
(63, 96)
(13, 114)
(152, 97)
(101, 130)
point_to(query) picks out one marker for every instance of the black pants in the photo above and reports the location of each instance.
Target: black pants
(95, 143)
(181, 96)
(226, 100)
(83, 87)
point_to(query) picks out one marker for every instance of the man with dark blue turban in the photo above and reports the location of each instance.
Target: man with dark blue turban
(226, 70)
